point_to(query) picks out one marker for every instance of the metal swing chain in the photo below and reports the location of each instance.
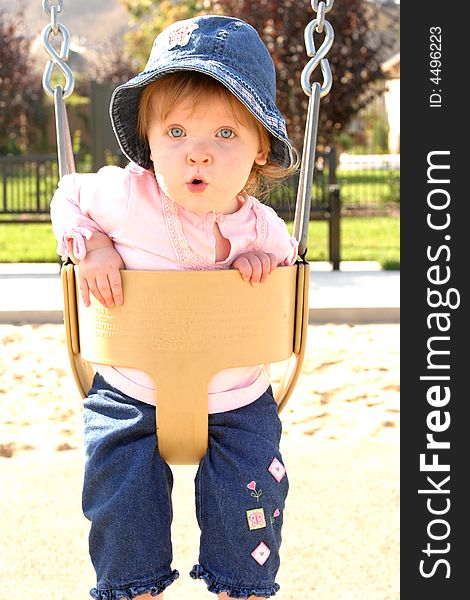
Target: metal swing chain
(59, 93)
(315, 91)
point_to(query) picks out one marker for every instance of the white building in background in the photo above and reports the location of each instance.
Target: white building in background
(391, 68)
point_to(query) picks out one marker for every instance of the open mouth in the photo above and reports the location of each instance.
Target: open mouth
(197, 185)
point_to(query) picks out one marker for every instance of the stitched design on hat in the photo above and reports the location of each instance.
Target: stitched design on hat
(258, 107)
(180, 35)
(277, 470)
(261, 553)
(256, 518)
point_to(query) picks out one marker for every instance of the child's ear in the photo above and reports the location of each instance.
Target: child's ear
(261, 157)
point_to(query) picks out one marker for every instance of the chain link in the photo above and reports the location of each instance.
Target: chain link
(55, 20)
(47, 9)
(321, 17)
(328, 4)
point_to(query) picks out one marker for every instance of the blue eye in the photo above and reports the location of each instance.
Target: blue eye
(176, 132)
(226, 134)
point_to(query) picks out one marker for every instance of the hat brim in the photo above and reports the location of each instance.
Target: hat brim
(124, 109)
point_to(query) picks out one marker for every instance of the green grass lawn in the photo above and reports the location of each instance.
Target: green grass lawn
(362, 238)
(27, 242)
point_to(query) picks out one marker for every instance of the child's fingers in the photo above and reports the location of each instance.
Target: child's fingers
(266, 264)
(84, 290)
(94, 289)
(243, 265)
(256, 263)
(272, 262)
(116, 286)
(88, 283)
(255, 266)
(104, 288)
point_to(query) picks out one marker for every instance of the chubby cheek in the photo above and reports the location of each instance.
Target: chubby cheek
(164, 172)
(236, 169)
(163, 182)
(240, 175)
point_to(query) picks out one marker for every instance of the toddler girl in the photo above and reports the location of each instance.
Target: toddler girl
(200, 127)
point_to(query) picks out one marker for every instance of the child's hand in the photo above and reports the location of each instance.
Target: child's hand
(99, 274)
(255, 266)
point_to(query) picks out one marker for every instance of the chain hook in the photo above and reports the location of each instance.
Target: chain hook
(318, 58)
(57, 59)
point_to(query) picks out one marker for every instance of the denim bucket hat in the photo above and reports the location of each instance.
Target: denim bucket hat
(224, 48)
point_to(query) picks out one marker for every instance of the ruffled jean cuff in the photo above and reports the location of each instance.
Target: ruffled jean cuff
(154, 588)
(232, 591)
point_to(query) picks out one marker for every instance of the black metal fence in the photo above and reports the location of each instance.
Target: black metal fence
(325, 206)
(27, 184)
(369, 181)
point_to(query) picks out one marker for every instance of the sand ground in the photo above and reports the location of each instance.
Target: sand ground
(340, 446)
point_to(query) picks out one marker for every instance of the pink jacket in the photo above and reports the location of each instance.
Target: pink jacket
(151, 232)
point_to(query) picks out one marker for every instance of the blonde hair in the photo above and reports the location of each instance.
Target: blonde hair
(161, 96)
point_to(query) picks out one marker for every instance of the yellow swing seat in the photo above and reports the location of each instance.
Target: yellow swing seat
(183, 327)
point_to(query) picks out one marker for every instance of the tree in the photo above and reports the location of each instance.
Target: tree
(152, 17)
(354, 58)
(20, 89)
(114, 66)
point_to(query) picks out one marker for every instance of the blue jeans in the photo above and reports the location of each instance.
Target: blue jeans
(241, 486)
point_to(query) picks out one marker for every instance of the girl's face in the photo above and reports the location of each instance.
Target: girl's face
(203, 155)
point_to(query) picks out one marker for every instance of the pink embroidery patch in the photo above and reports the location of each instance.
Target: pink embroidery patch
(277, 470)
(180, 35)
(261, 553)
(277, 512)
(252, 485)
(256, 518)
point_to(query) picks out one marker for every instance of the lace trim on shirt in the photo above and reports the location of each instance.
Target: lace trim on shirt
(185, 256)
(261, 228)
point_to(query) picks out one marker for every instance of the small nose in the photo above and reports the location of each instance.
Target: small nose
(198, 155)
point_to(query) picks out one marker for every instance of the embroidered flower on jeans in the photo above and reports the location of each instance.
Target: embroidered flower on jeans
(273, 517)
(256, 494)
